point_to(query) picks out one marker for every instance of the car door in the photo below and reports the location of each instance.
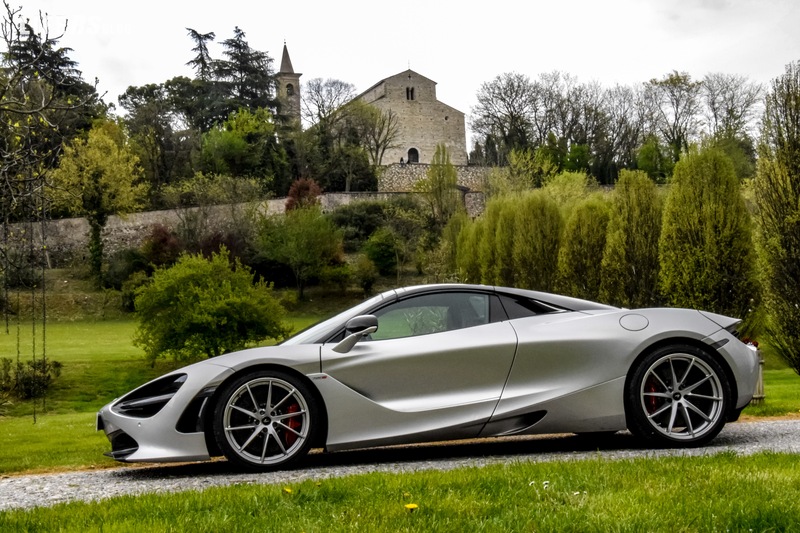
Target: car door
(436, 360)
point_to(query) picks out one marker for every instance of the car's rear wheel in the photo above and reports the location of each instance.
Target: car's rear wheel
(265, 420)
(678, 395)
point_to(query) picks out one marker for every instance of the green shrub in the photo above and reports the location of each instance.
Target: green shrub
(29, 379)
(381, 250)
(537, 238)
(122, 265)
(358, 221)
(130, 287)
(203, 308)
(162, 247)
(630, 261)
(365, 273)
(706, 248)
(338, 275)
(579, 273)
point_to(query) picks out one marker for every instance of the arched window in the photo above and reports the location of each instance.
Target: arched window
(289, 89)
(409, 93)
(413, 155)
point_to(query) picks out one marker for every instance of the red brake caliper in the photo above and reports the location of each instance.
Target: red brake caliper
(294, 423)
(652, 401)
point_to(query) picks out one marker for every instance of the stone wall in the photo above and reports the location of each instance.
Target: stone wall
(401, 178)
(67, 239)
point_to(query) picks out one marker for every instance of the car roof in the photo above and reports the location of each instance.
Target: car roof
(555, 300)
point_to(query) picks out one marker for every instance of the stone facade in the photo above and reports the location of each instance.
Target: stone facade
(423, 121)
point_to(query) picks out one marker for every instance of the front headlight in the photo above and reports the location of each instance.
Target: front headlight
(149, 399)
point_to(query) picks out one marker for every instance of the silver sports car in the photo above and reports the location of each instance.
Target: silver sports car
(444, 362)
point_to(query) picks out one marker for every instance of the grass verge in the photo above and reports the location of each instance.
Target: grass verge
(724, 492)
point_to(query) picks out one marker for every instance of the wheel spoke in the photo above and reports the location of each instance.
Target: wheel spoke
(659, 411)
(705, 397)
(659, 380)
(289, 395)
(237, 428)
(686, 419)
(672, 373)
(690, 388)
(250, 439)
(673, 413)
(252, 398)
(245, 411)
(686, 374)
(284, 416)
(278, 440)
(264, 448)
(284, 426)
(657, 394)
(694, 408)
(268, 406)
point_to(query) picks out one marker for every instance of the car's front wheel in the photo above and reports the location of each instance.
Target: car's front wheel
(265, 420)
(678, 395)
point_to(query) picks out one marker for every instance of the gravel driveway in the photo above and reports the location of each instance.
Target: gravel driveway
(49, 489)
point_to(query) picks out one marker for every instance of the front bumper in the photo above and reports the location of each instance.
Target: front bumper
(175, 432)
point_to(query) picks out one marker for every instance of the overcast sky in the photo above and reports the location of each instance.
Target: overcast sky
(458, 44)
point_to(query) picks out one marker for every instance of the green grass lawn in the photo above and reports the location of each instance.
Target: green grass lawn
(724, 492)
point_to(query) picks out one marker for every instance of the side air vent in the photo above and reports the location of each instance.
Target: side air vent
(149, 399)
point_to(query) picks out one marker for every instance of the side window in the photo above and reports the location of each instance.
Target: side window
(522, 307)
(431, 313)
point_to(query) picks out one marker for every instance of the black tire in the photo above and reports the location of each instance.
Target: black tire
(265, 420)
(678, 395)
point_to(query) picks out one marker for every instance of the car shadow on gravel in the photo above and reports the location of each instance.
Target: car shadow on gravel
(506, 447)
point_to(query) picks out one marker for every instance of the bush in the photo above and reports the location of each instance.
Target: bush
(130, 287)
(27, 380)
(123, 265)
(630, 260)
(584, 242)
(358, 221)
(338, 275)
(381, 250)
(365, 273)
(162, 247)
(706, 249)
(205, 307)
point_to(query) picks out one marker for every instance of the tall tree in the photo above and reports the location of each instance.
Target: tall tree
(201, 62)
(439, 188)
(245, 75)
(504, 110)
(98, 177)
(579, 272)
(777, 187)
(322, 99)
(246, 145)
(706, 249)
(630, 259)
(676, 102)
(731, 103)
(537, 239)
(303, 239)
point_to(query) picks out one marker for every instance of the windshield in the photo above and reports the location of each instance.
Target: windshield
(320, 331)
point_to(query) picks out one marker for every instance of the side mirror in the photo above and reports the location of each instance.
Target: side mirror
(354, 330)
(360, 323)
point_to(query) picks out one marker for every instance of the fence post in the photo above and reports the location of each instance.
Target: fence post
(759, 394)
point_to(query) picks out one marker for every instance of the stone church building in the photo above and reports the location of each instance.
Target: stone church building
(422, 120)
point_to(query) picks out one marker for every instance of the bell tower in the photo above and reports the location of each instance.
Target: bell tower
(289, 86)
